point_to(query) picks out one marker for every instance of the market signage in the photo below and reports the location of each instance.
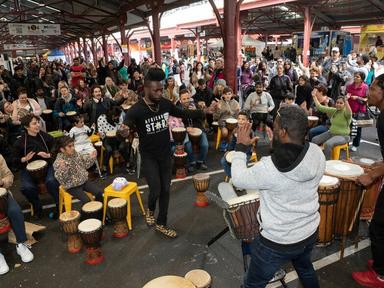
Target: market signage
(19, 46)
(34, 29)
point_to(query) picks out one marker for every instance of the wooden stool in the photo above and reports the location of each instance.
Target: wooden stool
(126, 194)
(336, 151)
(65, 199)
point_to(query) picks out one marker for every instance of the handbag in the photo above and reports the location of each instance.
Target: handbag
(363, 119)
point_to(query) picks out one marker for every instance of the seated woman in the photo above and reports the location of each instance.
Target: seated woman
(66, 103)
(226, 108)
(35, 145)
(71, 171)
(340, 117)
(242, 118)
(24, 105)
(16, 218)
(108, 125)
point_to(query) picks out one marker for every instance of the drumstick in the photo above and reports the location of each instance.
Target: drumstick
(357, 210)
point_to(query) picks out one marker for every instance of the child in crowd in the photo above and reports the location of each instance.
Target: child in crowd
(80, 133)
(242, 119)
(289, 99)
(71, 171)
(226, 108)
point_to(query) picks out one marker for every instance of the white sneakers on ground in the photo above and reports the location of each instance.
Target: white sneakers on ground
(24, 252)
(353, 148)
(3, 265)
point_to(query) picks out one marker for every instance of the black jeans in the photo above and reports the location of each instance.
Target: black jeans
(356, 140)
(90, 187)
(157, 172)
(113, 144)
(376, 233)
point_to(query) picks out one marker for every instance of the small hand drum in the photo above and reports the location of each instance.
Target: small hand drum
(38, 170)
(178, 135)
(69, 222)
(180, 161)
(92, 209)
(312, 121)
(201, 184)
(169, 282)
(200, 278)
(195, 135)
(118, 210)
(91, 232)
(111, 134)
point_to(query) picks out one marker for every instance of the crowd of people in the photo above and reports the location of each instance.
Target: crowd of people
(142, 102)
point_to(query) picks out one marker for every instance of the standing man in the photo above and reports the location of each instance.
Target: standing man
(288, 213)
(374, 276)
(149, 117)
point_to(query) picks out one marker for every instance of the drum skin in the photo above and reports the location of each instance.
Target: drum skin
(201, 182)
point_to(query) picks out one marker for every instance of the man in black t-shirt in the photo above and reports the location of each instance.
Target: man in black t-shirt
(149, 117)
(374, 277)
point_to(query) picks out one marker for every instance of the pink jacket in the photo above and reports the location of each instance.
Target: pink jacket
(361, 91)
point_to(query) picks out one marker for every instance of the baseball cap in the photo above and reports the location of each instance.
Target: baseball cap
(336, 49)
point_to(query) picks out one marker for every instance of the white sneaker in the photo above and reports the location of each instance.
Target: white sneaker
(24, 252)
(353, 148)
(3, 265)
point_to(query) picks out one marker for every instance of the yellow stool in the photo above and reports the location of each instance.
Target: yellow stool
(94, 138)
(218, 138)
(65, 199)
(336, 151)
(126, 194)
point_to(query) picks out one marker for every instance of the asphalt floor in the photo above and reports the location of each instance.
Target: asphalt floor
(144, 254)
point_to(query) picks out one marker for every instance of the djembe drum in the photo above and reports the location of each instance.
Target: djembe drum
(228, 156)
(178, 135)
(111, 134)
(71, 116)
(230, 124)
(92, 209)
(373, 191)
(5, 225)
(180, 161)
(200, 278)
(329, 189)
(350, 197)
(118, 210)
(69, 222)
(91, 231)
(47, 116)
(215, 126)
(169, 282)
(312, 121)
(194, 136)
(201, 184)
(38, 170)
(242, 216)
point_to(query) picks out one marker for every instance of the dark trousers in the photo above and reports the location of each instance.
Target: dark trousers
(265, 261)
(16, 217)
(356, 140)
(157, 172)
(30, 189)
(90, 187)
(113, 144)
(376, 233)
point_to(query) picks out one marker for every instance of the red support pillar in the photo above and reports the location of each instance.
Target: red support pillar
(156, 35)
(94, 53)
(198, 49)
(79, 47)
(73, 51)
(230, 46)
(85, 50)
(239, 44)
(307, 34)
(173, 46)
(124, 40)
(105, 48)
